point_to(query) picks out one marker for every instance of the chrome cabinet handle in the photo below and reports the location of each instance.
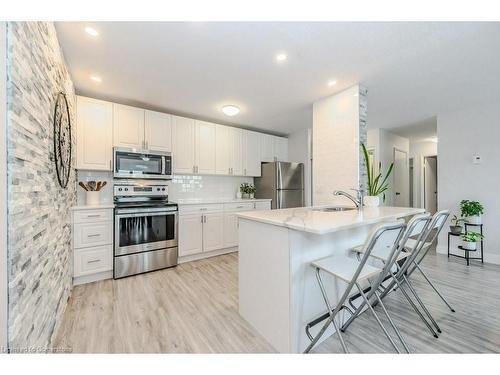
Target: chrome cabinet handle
(94, 261)
(204, 218)
(201, 218)
(240, 206)
(193, 169)
(245, 171)
(203, 209)
(93, 216)
(94, 235)
(110, 165)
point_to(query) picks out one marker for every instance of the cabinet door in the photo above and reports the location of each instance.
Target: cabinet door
(236, 151)
(280, 147)
(251, 154)
(128, 126)
(266, 148)
(190, 234)
(94, 134)
(213, 229)
(158, 131)
(183, 145)
(205, 147)
(230, 230)
(222, 150)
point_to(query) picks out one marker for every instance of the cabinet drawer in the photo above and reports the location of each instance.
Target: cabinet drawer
(93, 216)
(93, 234)
(263, 205)
(200, 208)
(93, 260)
(240, 206)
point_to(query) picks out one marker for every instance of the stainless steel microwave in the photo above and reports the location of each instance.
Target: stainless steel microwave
(144, 164)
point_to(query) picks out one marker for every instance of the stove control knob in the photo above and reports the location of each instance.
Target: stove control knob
(157, 189)
(120, 189)
(126, 189)
(163, 189)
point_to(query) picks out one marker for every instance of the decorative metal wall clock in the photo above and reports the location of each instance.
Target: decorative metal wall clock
(62, 139)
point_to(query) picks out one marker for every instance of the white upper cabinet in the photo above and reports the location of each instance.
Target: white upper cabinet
(94, 134)
(266, 147)
(222, 150)
(183, 140)
(158, 131)
(128, 126)
(236, 151)
(280, 147)
(251, 153)
(205, 135)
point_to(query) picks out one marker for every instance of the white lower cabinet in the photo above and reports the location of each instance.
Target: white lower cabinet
(92, 245)
(211, 229)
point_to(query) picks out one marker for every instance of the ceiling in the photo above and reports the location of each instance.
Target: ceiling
(425, 130)
(413, 71)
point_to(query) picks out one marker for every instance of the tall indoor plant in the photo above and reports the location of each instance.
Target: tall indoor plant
(376, 184)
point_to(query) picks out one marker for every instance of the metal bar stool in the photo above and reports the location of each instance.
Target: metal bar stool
(415, 227)
(354, 271)
(437, 224)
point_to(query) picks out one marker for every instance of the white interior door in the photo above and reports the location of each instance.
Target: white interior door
(430, 184)
(400, 179)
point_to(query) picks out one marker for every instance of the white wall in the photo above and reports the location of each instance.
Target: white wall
(461, 135)
(418, 150)
(3, 187)
(299, 151)
(335, 146)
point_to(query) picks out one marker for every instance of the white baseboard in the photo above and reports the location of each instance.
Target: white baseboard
(488, 258)
(91, 278)
(190, 258)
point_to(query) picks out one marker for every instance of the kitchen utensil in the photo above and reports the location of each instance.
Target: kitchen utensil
(92, 185)
(83, 186)
(104, 183)
(98, 187)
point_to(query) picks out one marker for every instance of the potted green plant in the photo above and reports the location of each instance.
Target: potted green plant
(471, 211)
(377, 185)
(243, 190)
(456, 228)
(251, 189)
(470, 240)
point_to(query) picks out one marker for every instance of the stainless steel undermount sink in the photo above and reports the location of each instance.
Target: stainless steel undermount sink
(334, 209)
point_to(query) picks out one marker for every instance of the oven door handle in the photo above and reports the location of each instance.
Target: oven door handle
(142, 214)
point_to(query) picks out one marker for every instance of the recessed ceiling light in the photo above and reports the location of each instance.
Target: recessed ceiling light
(332, 83)
(91, 31)
(280, 57)
(96, 79)
(230, 110)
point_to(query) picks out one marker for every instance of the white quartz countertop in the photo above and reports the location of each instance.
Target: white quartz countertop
(99, 207)
(218, 200)
(309, 219)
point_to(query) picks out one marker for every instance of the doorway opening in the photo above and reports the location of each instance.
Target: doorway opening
(430, 180)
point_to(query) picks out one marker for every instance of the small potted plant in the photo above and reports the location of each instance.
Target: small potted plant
(471, 211)
(251, 189)
(456, 228)
(243, 190)
(377, 185)
(470, 240)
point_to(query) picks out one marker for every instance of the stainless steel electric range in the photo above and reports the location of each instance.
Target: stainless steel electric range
(145, 227)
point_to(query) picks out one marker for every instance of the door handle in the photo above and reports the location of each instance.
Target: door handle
(398, 193)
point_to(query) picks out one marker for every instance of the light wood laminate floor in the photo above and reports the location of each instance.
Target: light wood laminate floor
(193, 308)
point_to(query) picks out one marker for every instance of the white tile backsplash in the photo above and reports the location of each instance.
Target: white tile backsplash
(180, 187)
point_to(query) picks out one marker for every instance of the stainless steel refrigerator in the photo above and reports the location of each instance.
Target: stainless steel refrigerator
(283, 182)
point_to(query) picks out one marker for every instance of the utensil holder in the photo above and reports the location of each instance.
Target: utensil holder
(92, 198)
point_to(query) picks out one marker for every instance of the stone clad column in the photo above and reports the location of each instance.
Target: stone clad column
(339, 126)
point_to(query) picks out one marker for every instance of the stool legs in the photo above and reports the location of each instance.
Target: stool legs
(421, 303)
(360, 289)
(433, 287)
(331, 319)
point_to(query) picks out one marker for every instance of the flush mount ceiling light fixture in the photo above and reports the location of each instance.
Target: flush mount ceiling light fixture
(96, 79)
(230, 110)
(332, 83)
(91, 31)
(281, 57)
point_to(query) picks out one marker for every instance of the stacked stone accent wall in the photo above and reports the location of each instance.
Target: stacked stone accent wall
(363, 136)
(39, 216)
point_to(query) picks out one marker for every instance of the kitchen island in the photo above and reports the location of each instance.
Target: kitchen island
(278, 292)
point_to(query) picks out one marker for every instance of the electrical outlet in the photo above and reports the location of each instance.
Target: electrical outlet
(476, 159)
